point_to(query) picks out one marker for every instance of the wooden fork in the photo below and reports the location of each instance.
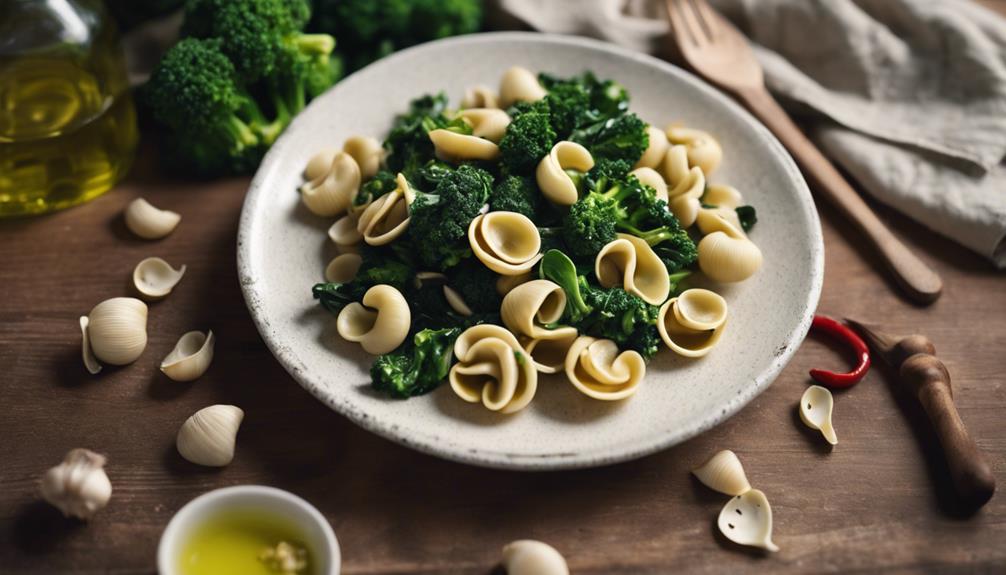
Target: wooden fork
(718, 52)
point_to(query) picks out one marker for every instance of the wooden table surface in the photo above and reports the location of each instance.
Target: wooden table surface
(880, 500)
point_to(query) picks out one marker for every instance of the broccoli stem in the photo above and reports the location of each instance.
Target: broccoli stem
(316, 44)
(243, 135)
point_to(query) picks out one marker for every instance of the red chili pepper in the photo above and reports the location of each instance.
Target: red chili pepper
(841, 332)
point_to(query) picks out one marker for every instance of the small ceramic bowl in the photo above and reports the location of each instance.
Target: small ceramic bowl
(317, 533)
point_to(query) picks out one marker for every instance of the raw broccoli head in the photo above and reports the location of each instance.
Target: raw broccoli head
(439, 220)
(416, 367)
(477, 285)
(527, 140)
(617, 138)
(621, 317)
(516, 194)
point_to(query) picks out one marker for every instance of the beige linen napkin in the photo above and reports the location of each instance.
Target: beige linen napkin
(909, 96)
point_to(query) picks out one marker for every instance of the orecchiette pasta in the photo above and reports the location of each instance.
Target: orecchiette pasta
(343, 268)
(488, 123)
(549, 353)
(723, 196)
(726, 254)
(703, 149)
(491, 369)
(531, 305)
(725, 199)
(332, 192)
(480, 97)
(380, 324)
(387, 217)
(506, 283)
(652, 178)
(554, 181)
(692, 323)
(630, 262)
(344, 233)
(367, 152)
(655, 150)
(685, 185)
(506, 242)
(319, 163)
(452, 146)
(597, 369)
(519, 85)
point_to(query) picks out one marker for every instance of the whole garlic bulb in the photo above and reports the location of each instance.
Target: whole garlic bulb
(530, 557)
(78, 486)
(117, 330)
(208, 437)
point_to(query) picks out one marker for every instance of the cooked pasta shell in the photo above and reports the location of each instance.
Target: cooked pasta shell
(720, 219)
(703, 149)
(530, 305)
(519, 85)
(148, 222)
(551, 174)
(630, 262)
(387, 217)
(747, 520)
(723, 472)
(597, 369)
(685, 208)
(655, 150)
(492, 369)
(320, 163)
(480, 97)
(506, 242)
(506, 283)
(681, 179)
(684, 340)
(453, 147)
(488, 123)
(816, 406)
(700, 309)
(380, 323)
(332, 193)
(549, 353)
(728, 257)
(344, 233)
(191, 356)
(343, 268)
(367, 152)
(723, 196)
(652, 178)
(154, 278)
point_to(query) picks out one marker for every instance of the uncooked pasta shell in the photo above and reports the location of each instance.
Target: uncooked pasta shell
(117, 330)
(816, 406)
(529, 557)
(154, 278)
(723, 472)
(747, 520)
(148, 222)
(191, 356)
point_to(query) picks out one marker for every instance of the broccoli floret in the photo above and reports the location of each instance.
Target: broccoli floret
(621, 317)
(527, 140)
(439, 220)
(605, 99)
(408, 143)
(382, 183)
(589, 225)
(560, 270)
(618, 138)
(747, 216)
(377, 267)
(477, 285)
(516, 194)
(196, 92)
(417, 366)
(645, 340)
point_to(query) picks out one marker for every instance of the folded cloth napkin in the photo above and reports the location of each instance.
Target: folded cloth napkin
(909, 96)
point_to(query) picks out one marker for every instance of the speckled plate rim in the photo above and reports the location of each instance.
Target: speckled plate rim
(445, 447)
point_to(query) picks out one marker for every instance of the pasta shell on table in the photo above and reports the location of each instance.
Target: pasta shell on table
(380, 322)
(116, 330)
(630, 262)
(191, 356)
(148, 222)
(491, 369)
(685, 185)
(368, 153)
(506, 242)
(452, 146)
(552, 175)
(656, 149)
(530, 305)
(597, 369)
(549, 353)
(320, 163)
(684, 340)
(816, 406)
(480, 97)
(333, 192)
(519, 85)
(723, 472)
(746, 519)
(343, 268)
(703, 149)
(652, 178)
(87, 354)
(387, 217)
(727, 255)
(530, 557)
(488, 123)
(506, 283)
(154, 278)
(344, 231)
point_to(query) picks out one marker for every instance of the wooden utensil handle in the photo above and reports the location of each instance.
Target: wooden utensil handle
(918, 281)
(971, 473)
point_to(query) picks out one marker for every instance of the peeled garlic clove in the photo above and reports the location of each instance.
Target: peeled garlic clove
(117, 330)
(529, 557)
(90, 362)
(208, 437)
(154, 278)
(149, 222)
(456, 301)
(723, 472)
(79, 486)
(747, 520)
(816, 406)
(191, 357)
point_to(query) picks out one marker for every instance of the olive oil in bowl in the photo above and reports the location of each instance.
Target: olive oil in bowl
(245, 543)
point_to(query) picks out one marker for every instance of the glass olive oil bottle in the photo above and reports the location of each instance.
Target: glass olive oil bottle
(67, 122)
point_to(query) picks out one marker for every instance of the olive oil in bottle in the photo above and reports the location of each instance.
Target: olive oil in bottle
(67, 122)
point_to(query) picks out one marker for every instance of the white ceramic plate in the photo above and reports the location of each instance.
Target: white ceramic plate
(282, 251)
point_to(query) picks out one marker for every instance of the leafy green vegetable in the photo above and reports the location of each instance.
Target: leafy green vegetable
(616, 138)
(382, 183)
(417, 366)
(747, 216)
(559, 269)
(439, 220)
(377, 267)
(623, 318)
(408, 144)
(477, 285)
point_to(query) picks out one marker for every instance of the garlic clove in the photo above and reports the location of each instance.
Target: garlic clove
(90, 362)
(148, 222)
(723, 472)
(79, 485)
(154, 278)
(530, 557)
(191, 356)
(117, 330)
(747, 520)
(816, 406)
(209, 435)
(456, 301)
